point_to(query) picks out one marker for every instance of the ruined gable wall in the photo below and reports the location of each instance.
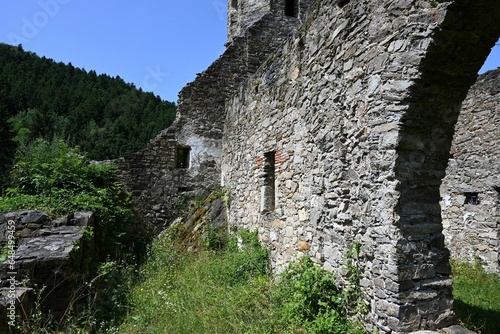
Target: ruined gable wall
(161, 190)
(242, 14)
(471, 225)
(328, 106)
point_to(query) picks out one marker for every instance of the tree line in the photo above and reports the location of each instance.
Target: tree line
(103, 115)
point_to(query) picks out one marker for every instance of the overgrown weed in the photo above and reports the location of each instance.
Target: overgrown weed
(232, 290)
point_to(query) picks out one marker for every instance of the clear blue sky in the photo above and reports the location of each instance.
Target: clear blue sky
(158, 45)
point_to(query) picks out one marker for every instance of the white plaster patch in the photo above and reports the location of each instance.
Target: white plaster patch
(203, 149)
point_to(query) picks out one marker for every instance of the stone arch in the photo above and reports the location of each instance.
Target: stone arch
(447, 71)
(362, 100)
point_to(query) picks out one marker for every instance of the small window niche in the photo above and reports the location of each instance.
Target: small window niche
(267, 191)
(497, 189)
(234, 4)
(182, 157)
(292, 8)
(471, 198)
(342, 3)
(182, 190)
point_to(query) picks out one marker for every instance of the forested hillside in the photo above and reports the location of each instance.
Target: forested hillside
(103, 115)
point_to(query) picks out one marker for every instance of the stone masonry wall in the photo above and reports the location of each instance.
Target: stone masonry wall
(471, 189)
(344, 134)
(329, 134)
(159, 187)
(242, 14)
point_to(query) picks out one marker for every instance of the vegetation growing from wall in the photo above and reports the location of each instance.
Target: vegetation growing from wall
(477, 297)
(105, 116)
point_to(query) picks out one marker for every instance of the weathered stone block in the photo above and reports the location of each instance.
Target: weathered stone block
(45, 258)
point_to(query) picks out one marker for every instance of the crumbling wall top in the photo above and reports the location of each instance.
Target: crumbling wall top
(241, 14)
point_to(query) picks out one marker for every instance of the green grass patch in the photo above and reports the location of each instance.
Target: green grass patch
(477, 297)
(232, 291)
(208, 292)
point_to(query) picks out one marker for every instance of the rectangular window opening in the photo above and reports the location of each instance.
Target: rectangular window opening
(268, 201)
(234, 4)
(182, 157)
(182, 189)
(342, 3)
(471, 198)
(292, 8)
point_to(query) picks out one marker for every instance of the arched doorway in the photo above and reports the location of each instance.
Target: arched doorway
(448, 70)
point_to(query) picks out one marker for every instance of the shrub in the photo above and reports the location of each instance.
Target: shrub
(307, 297)
(245, 258)
(58, 179)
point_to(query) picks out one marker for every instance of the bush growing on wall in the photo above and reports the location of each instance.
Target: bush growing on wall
(58, 179)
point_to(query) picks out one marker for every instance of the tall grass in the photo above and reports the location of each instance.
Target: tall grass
(227, 291)
(208, 292)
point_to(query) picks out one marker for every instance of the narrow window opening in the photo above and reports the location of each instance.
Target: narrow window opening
(471, 198)
(291, 8)
(301, 44)
(182, 157)
(268, 201)
(234, 4)
(342, 3)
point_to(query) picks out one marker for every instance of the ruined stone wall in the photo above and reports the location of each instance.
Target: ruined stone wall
(333, 134)
(471, 189)
(160, 187)
(343, 135)
(327, 106)
(48, 253)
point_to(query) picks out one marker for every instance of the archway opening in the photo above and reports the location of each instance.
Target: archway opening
(470, 204)
(449, 69)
